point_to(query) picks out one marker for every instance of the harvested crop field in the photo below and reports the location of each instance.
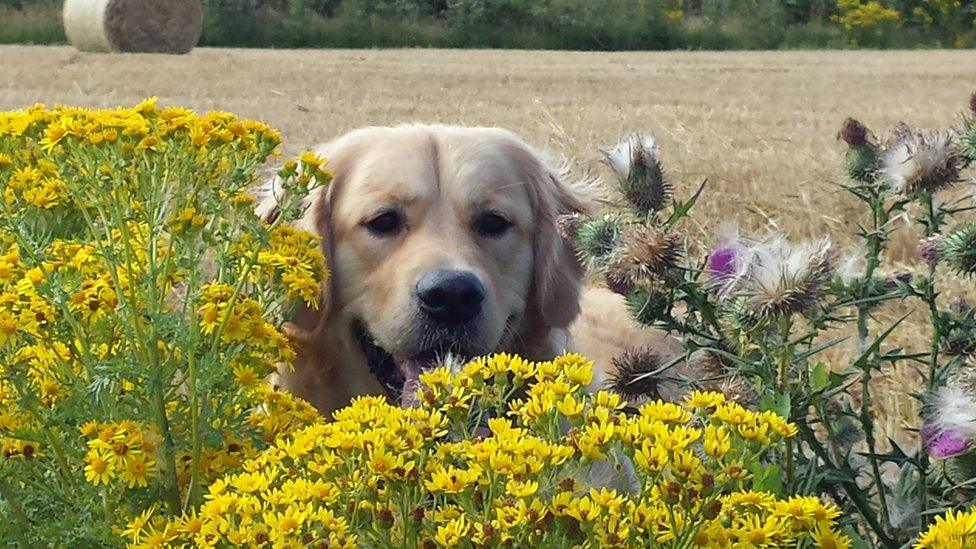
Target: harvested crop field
(760, 126)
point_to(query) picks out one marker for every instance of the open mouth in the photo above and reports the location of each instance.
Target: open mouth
(400, 378)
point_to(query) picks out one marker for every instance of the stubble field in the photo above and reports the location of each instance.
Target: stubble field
(760, 126)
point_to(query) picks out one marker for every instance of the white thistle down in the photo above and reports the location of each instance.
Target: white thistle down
(785, 278)
(621, 155)
(954, 411)
(851, 265)
(918, 161)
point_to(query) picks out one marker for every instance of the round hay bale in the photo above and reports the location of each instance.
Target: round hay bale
(152, 26)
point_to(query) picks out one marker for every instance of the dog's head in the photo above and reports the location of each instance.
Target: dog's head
(441, 240)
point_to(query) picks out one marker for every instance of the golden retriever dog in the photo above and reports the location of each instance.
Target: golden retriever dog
(441, 240)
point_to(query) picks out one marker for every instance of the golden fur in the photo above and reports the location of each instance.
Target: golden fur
(440, 177)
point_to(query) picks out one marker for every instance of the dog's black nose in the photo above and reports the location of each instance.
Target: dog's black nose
(450, 298)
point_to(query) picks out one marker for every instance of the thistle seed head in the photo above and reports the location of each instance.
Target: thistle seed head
(952, 409)
(787, 278)
(567, 225)
(919, 162)
(637, 374)
(851, 266)
(647, 253)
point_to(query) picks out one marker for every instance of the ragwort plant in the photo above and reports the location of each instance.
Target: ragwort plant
(503, 452)
(755, 314)
(141, 308)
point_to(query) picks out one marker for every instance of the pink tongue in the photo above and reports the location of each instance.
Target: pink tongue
(411, 381)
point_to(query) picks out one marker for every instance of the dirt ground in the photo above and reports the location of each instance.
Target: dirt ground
(760, 126)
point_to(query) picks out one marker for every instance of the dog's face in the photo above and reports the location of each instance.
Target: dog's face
(441, 241)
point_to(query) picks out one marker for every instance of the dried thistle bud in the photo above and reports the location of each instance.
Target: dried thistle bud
(616, 282)
(960, 306)
(900, 276)
(642, 182)
(646, 253)
(959, 249)
(787, 278)
(853, 132)
(920, 162)
(596, 239)
(567, 225)
(637, 374)
(928, 248)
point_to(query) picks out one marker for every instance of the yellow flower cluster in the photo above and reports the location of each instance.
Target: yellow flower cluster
(856, 14)
(508, 452)
(124, 450)
(129, 307)
(954, 530)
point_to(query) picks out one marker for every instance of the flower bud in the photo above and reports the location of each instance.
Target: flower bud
(959, 249)
(568, 224)
(597, 238)
(639, 172)
(853, 132)
(647, 305)
(928, 248)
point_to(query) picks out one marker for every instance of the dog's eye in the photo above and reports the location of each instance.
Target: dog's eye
(387, 223)
(491, 224)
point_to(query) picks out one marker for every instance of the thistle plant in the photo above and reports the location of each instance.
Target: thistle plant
(758, 312)
(141, 307)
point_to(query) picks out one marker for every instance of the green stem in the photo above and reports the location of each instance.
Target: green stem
(851, 488)
(785, 358)
(23, 525)
(873, 260)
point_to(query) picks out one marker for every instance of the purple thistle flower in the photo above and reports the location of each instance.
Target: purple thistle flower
(947, 444)
(721, 262)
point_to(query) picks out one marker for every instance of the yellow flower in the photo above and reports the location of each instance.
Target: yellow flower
(137, 470)
(452, 480)
(452, 533)
(521, 489)
(699, 399)
(825, 538)
(99, 469)
(757, 532)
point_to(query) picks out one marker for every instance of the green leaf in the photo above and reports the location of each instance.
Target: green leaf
(819, 377)
(857, 542)
(682, 209)
(767, 478)
(779, 403)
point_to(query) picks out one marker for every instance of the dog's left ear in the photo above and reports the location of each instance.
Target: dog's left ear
(558, 273)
